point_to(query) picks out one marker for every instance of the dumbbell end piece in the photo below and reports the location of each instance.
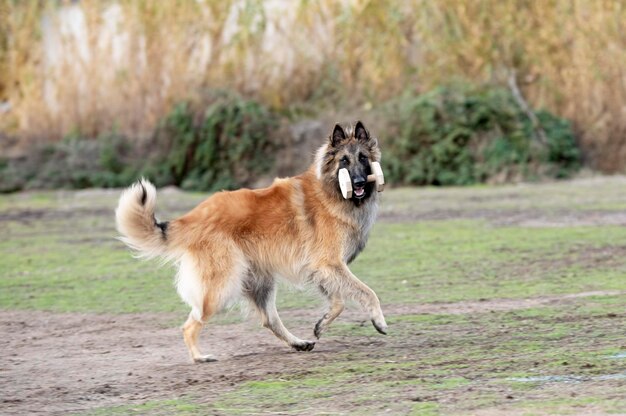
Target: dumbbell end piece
(345, 183)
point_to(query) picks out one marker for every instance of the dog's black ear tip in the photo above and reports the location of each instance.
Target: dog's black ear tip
(144, 194)
(338, 135)
(360, 132)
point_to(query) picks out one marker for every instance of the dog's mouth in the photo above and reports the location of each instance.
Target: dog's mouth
(359, 193)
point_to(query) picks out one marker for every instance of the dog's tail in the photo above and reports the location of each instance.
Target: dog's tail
(136, 222)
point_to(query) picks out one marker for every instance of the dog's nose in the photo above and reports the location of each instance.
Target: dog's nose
(359, 182)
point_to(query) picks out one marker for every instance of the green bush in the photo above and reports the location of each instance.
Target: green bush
(449, 136)
(225, 147)
(221, 146)
(460, 136)
(72, 163)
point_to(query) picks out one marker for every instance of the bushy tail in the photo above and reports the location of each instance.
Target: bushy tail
(136, 221)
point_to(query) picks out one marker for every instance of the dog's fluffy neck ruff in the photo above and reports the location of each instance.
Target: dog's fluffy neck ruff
(356, 220)
(319, 159)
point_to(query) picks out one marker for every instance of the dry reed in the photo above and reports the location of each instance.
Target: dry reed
(131, 60)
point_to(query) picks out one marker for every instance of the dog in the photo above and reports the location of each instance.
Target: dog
(236, 243)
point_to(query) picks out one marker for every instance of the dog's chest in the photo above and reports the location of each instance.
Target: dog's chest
(358, 235)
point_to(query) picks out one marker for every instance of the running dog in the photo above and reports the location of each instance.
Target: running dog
(235, 244)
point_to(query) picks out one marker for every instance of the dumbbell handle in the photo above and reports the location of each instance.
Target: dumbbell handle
(345, 183)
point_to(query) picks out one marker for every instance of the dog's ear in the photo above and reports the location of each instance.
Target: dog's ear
(337, 136)
(362, 135)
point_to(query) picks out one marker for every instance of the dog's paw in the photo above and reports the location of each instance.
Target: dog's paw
(319, 328)
(380, 326)
(204, 359)
(303, 346)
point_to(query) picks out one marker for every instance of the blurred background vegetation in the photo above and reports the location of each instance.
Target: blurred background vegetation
(201, 94)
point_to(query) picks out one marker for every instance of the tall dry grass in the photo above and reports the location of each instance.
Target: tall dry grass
(124, 63)
(569, 56)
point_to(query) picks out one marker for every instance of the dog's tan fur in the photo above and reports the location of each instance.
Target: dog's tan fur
(236, 243)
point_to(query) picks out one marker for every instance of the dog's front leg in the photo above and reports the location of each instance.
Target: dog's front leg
(345, 282)
(335, 308)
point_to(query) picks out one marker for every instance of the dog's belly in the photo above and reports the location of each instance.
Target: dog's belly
(295, 272)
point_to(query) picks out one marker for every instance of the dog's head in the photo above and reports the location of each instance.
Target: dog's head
(352, 149)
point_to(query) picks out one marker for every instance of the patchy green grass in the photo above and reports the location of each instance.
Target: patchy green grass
(444, 364)
(175, 407)
(455, 260)
(601, 193)
(573, 406)
(59, 254)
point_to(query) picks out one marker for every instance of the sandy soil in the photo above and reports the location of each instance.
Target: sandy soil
(59, 363)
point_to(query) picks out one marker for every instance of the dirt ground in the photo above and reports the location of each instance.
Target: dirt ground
(60, 363)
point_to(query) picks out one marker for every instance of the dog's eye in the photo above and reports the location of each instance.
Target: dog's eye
(362, 158)
(344, 160)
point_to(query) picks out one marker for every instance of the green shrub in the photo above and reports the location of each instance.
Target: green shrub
(72, 163)
(225, 147)
(449, 136)
(460, 136)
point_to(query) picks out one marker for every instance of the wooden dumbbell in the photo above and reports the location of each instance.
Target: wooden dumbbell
(377, 176)
(345, 183)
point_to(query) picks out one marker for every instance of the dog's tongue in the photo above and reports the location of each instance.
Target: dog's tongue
(359, 191)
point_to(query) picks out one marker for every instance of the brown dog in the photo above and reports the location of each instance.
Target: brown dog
(237, 243)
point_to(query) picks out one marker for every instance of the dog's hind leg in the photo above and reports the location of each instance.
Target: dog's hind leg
(191, 330)
(334, 310)
(191, 288)
(262, 293)
(192, 327)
